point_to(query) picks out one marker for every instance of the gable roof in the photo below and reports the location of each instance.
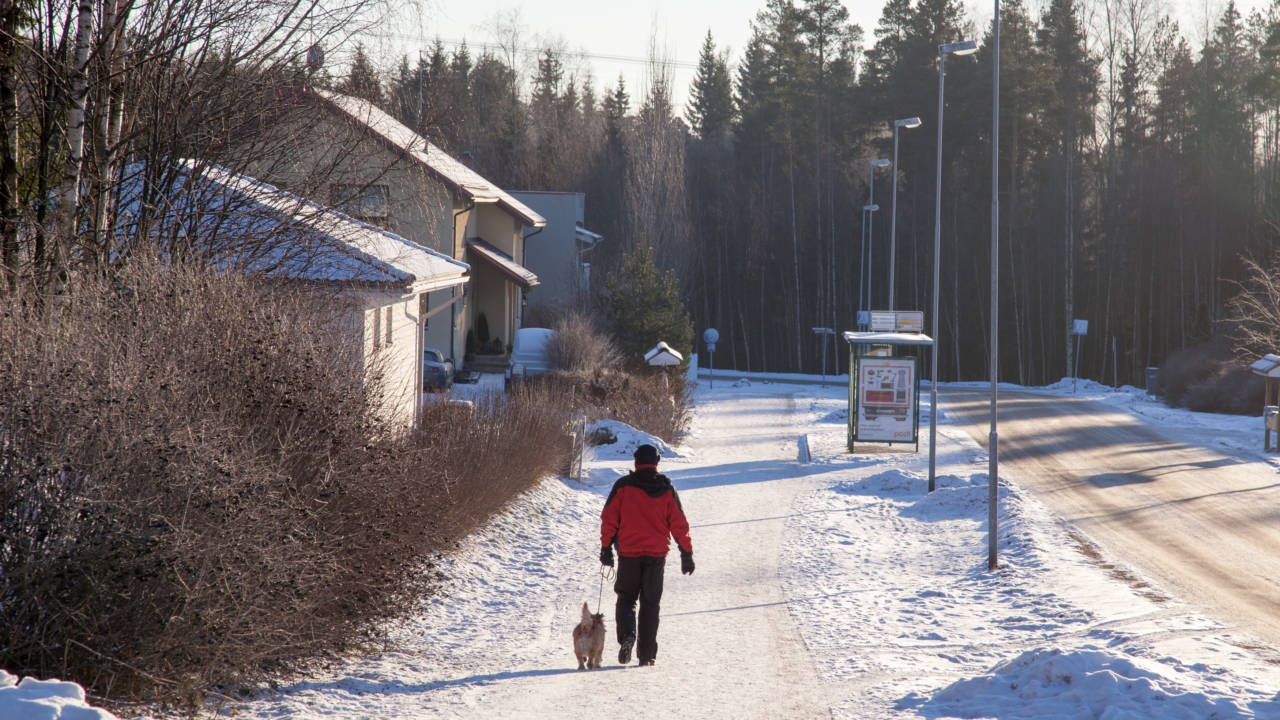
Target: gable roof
(461, 178)
(250, 226)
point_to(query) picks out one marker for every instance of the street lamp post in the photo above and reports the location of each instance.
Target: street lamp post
(911, 122)
(993, 462)
(962, 47)
(869, 212)
(870, 238)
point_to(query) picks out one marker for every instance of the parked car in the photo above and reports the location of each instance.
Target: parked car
(530, 353)
(437, 370)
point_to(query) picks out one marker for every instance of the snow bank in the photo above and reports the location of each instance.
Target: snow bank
(1045, 683)
(628, 439)
(33, 699)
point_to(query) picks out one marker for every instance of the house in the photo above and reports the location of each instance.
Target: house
(347, 153)
(249, 226)
(561, 254)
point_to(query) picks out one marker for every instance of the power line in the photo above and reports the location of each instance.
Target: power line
(494, 47)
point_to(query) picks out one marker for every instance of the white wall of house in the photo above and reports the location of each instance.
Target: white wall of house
(393, 345)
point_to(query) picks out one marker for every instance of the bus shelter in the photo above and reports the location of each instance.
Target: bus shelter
(884, 386)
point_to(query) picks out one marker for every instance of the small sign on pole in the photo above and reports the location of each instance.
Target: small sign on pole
(825, 333)
(710, 336)
(1079, 328)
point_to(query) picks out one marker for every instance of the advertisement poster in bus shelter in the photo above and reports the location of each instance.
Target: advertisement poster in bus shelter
(886, 400)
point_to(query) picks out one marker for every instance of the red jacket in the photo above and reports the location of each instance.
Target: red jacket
(641, 512)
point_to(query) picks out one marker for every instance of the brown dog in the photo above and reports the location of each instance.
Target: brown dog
(588, 639)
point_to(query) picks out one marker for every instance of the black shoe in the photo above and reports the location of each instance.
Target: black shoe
(624, 652)
(648, 662)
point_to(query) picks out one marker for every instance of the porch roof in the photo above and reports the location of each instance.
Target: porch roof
(503, 262)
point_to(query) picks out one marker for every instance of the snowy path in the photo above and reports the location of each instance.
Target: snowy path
(726, 643)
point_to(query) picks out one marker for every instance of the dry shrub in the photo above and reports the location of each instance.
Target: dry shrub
(194, 486)
(579, 345)
(489, 453)
(642, 399)
(1207, 378)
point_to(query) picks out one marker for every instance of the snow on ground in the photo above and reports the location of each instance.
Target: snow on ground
(886, 584)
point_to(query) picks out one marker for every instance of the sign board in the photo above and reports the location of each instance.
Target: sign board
(883, 321)
(1080, 327)
(710, 336)
(910, 321)
(886, 399)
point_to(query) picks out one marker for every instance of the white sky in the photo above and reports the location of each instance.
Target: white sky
(611, 38)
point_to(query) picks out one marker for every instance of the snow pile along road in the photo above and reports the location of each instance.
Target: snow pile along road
(33, 699)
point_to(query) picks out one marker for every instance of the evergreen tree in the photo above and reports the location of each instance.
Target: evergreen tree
(710, 108)
(643, 307)
(362, 79)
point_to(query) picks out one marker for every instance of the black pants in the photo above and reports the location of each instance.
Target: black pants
(639, 577)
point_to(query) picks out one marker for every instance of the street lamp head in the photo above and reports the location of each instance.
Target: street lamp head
(959, 47)
(911, 122)
(881, 163)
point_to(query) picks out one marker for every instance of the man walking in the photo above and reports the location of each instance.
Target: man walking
(641, 512)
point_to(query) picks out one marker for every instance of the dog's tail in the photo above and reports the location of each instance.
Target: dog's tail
(586, 614)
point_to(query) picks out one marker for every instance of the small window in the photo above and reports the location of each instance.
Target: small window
(390, 314)
(371, 203)
(377, 331)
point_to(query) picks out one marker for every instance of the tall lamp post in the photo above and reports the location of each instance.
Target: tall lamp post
(961, 47)
(869, 208)
(868, 211)
(911, 122)
(993, 462)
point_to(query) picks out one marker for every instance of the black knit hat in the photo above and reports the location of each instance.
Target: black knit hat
(646, 455)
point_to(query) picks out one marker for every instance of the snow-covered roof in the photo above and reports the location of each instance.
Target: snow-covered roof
(522, 275)
(462, 178)
(586, 235)
(663, 354)
(249, 225)
(887, 338)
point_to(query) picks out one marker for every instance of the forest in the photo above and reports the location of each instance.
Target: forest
(1137, 173)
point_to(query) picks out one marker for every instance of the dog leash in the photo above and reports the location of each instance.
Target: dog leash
(606, 573)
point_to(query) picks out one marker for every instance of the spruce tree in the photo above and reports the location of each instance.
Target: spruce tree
(643, 307)
(710, 107)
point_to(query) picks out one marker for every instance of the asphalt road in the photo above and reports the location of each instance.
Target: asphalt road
(1202, 524)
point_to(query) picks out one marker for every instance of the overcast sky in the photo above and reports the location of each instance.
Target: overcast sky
(610, 38)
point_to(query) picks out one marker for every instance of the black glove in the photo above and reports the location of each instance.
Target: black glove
(686, 562)
(606, 555)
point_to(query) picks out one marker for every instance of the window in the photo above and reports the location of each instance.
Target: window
(371, 203)
(377, 331)
(390, 313)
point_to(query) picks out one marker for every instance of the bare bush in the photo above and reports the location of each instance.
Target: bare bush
(579, 345)
(194, 486)
(1255, 310)
(1208, 378)
(649, 400)
(489, 453)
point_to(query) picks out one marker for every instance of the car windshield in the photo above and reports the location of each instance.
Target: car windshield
(433, 355)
